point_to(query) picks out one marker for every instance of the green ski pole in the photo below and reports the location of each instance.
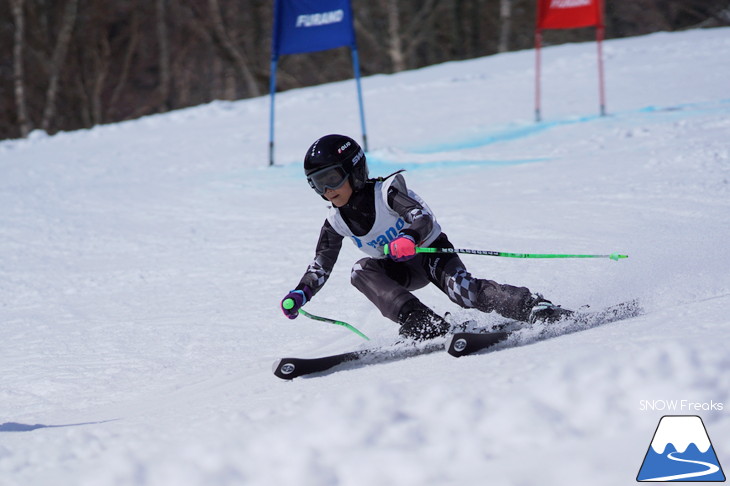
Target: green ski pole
(612, 256)
(289, 304)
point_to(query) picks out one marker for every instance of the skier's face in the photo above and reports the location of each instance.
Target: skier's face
(339, 197)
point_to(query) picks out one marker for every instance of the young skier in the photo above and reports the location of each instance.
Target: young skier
(383, 212)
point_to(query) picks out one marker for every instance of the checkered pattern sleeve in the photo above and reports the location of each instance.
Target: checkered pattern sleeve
(328, 249)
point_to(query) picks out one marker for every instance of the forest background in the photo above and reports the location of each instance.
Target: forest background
(71, 64)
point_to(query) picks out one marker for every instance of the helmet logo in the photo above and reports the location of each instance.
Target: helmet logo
(343, 148)
(314, 147)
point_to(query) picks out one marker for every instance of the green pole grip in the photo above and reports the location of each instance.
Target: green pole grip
(288, 304)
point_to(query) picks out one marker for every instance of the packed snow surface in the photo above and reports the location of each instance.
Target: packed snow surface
(142, 265)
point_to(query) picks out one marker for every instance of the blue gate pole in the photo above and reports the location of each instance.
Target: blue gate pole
(272, 89)
(356, 68)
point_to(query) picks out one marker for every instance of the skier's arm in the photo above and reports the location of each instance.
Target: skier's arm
(413, 212)
(328, 249)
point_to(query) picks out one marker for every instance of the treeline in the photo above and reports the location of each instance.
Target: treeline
(70, 64)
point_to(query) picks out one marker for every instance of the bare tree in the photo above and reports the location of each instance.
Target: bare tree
(395, 45)
(94, 62)
(404, 39)
(18, 74)
(228, 50)
(505, 17)
(126, 65)
(102, 62)
(57, 62)
(164, 55)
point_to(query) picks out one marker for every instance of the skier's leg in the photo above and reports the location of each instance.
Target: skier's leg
(448, 272)
(384, 284)
(387, 284)
(487, 295)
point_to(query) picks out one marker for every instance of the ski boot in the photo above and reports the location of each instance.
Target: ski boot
(545, 311)
(420, 323)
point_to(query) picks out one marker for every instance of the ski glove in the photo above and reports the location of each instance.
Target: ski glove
(402, 248)
(294, 300)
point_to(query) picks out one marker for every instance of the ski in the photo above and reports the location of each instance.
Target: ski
(290, 368)
(624, 310)
(456, 344)
(464, 343)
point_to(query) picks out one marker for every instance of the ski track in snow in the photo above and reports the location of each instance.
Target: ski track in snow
(142, 264)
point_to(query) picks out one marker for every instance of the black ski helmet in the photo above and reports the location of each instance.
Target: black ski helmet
(331, 160)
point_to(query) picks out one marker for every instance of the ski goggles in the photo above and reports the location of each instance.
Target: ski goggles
(328, 178)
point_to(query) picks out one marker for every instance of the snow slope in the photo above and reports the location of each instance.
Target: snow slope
(142, 264)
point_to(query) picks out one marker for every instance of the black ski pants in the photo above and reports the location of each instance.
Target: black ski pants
(388, 284)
